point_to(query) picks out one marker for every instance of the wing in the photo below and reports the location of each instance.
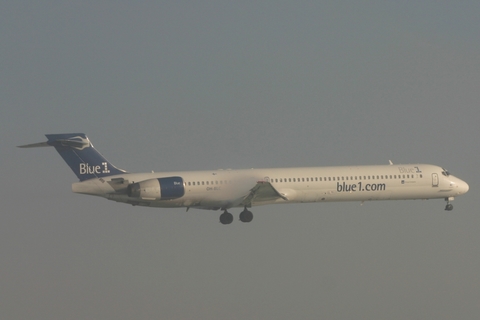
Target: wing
(262, 191)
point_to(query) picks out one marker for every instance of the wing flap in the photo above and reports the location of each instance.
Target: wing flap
(262, 191)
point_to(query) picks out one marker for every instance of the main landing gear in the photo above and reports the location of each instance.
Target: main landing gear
(246, 216)
(449, 206)
(227, 218)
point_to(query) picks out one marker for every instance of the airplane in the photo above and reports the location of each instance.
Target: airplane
(245, 188)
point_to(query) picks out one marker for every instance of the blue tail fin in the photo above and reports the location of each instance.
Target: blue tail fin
(79, 153)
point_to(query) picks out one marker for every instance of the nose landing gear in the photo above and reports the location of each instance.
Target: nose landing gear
(449, 206)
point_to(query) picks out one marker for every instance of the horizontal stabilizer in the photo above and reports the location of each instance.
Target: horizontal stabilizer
(74, 140)
(35, 145)
(57, 143)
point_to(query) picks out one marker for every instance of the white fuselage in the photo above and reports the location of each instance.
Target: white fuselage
(223, 189)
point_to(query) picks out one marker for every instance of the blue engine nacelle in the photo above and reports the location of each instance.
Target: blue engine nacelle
(157, 189)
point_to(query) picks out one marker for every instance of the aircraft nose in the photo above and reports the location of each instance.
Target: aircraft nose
(463, 186)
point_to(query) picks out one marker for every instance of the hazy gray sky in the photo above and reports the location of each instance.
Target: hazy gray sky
(177, 85)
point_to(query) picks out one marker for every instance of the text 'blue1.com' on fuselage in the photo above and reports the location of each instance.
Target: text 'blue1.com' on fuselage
(344, 187)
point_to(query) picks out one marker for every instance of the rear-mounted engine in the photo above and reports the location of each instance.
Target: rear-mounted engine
(157, 189)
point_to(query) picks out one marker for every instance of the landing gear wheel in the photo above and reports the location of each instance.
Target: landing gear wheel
(246, 216)
(449, 206)
(226, 217)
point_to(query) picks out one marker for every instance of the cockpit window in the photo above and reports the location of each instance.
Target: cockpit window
(445, 172)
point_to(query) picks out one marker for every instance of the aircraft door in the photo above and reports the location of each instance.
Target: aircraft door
(434, 179)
